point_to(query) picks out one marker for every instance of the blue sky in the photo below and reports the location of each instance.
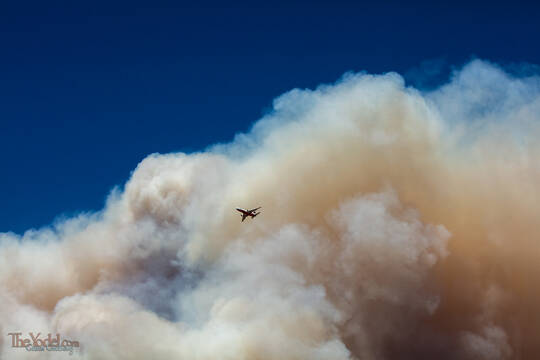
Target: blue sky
(88, 90)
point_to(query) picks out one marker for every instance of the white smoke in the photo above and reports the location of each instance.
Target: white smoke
(396, 224)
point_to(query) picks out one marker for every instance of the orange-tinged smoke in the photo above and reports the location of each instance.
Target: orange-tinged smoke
(396, 224)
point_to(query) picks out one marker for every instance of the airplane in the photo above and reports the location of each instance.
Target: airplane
(246, 213)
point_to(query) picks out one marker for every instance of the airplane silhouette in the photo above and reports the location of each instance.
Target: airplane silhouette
(246, 213)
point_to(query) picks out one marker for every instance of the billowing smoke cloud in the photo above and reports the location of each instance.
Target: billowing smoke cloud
(396, 224)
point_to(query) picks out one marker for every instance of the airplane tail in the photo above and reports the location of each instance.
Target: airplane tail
(255, 214)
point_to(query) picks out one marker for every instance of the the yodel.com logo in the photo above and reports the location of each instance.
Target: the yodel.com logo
(37, 342)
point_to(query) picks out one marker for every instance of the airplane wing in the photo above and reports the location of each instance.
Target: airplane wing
(244, 216)
(252, 210)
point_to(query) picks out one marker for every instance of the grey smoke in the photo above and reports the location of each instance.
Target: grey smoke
(397, 224)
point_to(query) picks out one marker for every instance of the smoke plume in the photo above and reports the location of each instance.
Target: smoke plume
(396, 224)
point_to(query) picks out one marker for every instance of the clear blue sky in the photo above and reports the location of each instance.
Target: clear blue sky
(88, 89)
